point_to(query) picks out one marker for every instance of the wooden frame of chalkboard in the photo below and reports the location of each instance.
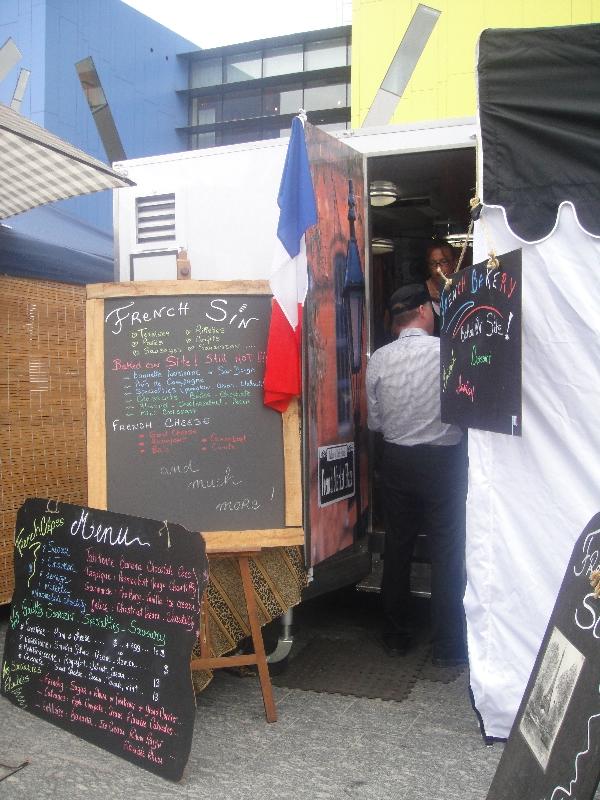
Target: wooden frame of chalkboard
(99, 297)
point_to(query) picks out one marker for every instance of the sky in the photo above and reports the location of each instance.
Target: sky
(210, 23)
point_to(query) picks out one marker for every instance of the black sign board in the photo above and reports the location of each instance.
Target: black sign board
(187, 434)
(336, 473)
(553, 752)
(480, 347)
(104, 616)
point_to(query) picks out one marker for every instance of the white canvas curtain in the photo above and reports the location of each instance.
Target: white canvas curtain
(530, 497)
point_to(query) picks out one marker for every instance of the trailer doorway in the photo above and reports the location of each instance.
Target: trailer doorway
(433, 190)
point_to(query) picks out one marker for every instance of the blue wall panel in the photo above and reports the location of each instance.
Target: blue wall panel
(136, 60)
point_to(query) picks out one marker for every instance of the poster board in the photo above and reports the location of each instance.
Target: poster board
(176, 421)
(335, 410)
(553, 751)
(480, 347)
(104, 617)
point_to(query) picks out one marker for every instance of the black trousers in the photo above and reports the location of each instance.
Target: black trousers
(425, 490)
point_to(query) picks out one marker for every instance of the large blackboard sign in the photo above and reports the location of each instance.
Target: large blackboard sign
(480, 347)
(187, 434)
(553, 752)
(104, 616)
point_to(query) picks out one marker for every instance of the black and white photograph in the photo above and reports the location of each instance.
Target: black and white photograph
(550, 697)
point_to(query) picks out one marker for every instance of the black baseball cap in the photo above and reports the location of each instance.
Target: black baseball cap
(408, 297)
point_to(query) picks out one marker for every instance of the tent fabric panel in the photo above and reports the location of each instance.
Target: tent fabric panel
(25, 257)
(39, 167)
(530, 497)
(539, 108)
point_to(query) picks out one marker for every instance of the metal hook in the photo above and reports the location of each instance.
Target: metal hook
(52, 510)
(165, 529)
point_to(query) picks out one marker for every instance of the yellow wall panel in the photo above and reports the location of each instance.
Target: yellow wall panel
(443, 83)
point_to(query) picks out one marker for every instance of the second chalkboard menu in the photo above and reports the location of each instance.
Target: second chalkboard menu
(105, 613)
(187, 436)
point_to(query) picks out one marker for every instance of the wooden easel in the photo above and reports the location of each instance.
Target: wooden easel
(258, 657)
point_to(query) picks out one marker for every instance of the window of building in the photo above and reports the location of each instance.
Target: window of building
(241, 133)
(325, 54)
(326, 96)
(241, 105)
(282, 60)
(206, 112)
(201, 140)
(243, 67)
(208, 72)
(282, 101)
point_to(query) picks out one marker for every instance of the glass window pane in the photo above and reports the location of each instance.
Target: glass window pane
(241, 133)
(208, 72)
(320, 97)
(287, 101)
(282, 60)
(241, 105)
(200, 140)
(243, 67)
(206, 112)
(321, 55)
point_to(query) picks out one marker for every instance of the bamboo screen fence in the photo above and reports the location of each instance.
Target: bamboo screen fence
(42, 402)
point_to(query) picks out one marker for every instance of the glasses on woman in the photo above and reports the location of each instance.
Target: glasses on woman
(439, 262)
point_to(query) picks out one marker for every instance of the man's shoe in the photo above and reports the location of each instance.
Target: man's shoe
(395, 642)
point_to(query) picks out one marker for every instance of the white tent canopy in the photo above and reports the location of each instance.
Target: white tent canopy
(531, 497)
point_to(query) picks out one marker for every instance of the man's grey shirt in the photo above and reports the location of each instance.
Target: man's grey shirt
(403, 391)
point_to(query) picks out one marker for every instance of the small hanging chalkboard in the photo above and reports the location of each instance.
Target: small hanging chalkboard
(553, 752)
(104, 616)
(480, 347)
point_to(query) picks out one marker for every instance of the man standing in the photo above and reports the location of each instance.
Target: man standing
(424, 477)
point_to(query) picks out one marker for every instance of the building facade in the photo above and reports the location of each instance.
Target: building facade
(135, 61)
(251, 91)
(442, 85)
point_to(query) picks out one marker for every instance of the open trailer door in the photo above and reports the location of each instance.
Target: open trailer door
(334, 408)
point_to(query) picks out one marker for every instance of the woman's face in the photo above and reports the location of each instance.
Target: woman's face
(440, 257)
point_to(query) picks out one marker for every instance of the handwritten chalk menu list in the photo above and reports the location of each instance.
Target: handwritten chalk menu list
(480, 347)
(553, 751)
(188, 435)
(103, 620)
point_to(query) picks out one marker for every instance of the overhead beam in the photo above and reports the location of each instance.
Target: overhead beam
(402, 66)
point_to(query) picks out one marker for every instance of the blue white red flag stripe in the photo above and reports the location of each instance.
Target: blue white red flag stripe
(289, 278)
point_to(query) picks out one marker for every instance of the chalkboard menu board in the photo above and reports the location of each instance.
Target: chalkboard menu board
(104, 616)
(480, 347)
(553, 751)
(187, 434)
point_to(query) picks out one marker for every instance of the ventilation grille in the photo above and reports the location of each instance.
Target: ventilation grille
(155, 218)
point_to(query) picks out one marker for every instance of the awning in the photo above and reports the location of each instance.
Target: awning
(539, 108)
(37, 167)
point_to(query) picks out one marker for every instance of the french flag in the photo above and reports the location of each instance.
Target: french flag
(289, 276)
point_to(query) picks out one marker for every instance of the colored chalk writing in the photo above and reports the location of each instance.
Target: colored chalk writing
(480, 347)
(185, 415)
(104, 617)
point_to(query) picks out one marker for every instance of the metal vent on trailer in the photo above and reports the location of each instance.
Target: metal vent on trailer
(155, 218)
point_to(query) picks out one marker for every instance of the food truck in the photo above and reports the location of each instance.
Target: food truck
(211, 215)
(203, 223)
